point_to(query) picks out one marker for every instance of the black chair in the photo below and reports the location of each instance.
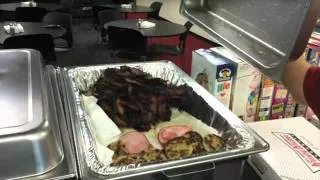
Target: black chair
(40, 42)
(96, 9)
(106, 16)
(158, 49)
(127, 43)
(64, 20)
(170, 49)
(29, 14)
(156, 6)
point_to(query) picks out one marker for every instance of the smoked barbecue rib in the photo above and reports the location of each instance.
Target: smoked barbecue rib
(135, 99)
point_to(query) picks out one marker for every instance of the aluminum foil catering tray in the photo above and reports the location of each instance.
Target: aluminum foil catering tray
(240, 139)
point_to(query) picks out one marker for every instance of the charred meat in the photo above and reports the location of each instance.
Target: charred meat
(134, 99)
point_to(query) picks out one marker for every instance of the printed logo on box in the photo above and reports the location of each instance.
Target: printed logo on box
(224, 75)
(300, 147)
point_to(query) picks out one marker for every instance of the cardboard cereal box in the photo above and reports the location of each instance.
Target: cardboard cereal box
(279, 101)
(214, 72)
(266, 94)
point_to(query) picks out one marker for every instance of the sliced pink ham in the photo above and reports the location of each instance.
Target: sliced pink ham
(134, 142)
(168, 133)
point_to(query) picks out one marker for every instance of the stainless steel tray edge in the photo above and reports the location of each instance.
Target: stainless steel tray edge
(306, 30)
(71, 112)
(269, 59)
(67, 167)
(86, 173)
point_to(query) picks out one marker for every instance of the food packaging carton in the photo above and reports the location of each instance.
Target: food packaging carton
(279, 101)
(214, 72)
(266, 94)
(290, 107)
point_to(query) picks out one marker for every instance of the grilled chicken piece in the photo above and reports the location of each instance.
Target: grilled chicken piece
(213, 143)
(185, 146)
(125, 160)
(152, 156)
(196, 141)
(178, 148)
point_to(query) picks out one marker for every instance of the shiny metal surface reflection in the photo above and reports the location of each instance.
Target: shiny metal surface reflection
(30, 144)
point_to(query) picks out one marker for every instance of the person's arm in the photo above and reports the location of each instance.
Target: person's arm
(303, 82)
(293, 78)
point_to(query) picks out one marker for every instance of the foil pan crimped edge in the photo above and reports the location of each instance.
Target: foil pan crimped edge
(83, 78)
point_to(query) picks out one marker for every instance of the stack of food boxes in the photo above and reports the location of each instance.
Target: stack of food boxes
(246, 86)
(239, 91)
(242, 88)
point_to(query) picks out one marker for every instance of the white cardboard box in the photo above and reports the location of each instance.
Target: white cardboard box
(294, 150)
(246, 86)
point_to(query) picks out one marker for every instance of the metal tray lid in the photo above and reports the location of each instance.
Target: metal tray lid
(21, 103)
(265, 33)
